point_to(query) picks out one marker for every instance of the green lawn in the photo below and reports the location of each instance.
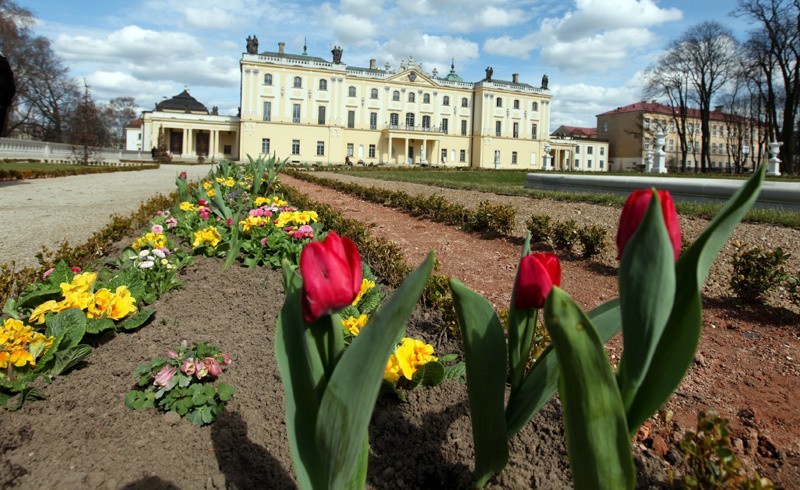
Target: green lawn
(512, 183)
(40, 166)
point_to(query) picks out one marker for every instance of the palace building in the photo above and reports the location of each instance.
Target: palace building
(319, 111)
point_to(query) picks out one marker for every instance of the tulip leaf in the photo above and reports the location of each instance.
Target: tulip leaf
(521, 329)
(485, 355)
(299, 384)
(347, 405)
(594, 418)
(541, 383)
(646, 295)
(678, 344)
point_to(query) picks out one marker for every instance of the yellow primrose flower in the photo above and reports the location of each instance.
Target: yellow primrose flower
(81, 283)
(207, 185)
(284, 219)
(50, 306)
(187, 206)
(305, 217)
(122, 304)
(150, 240)
(260, 201)
(278, 201)
(230, 182)
(220, 180)
(253, 221)
(366, 285)
(211, 193)
(354, 325)
(99, 305)
(76, 300)
(208, 235)
(20, 345)
(392, 371)
(412, 354)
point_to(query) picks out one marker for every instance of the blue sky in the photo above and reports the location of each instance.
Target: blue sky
(593, 51)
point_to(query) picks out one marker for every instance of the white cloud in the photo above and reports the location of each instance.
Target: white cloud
(507, 46)
(209, 18)
(429, 49)
(367, 8)
(130, 43)
(577, 104)
(597, 53)
(592, 16)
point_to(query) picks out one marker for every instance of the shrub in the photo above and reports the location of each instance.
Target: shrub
(593, 240)
(540, 227)
(756, 272)
(793, 288)
(496, 219)
(565, 235)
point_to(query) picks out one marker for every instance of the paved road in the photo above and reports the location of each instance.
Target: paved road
(47, 211)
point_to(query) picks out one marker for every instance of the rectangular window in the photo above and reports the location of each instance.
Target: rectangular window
(533, 131)
(321, 116)
(602, 150)
(373, 120)
(349, 149)
(226, 149)
(516, 130)
(462, 156)
(576, 163)
(320, 148)
(464, 127)
(295, 147)
(351, 119)
(577, 150)
(372, 151)
(296, 113)
(589, 163)
(589, 150)
(267, 111)
(514, 157)
(647, 123)
(444, 156)
(444, 125)
(602, 163)
(714, 130)
(265, 146)
(671, 145)
(498, 126)
(647, 143)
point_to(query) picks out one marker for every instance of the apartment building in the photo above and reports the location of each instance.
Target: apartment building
(578, 149)
(631, 135)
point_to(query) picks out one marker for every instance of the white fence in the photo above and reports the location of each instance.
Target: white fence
(14, 149)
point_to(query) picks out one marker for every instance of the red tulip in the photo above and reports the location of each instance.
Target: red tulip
(182, 175)
(331, 272)
(538, 273)
(633, 212)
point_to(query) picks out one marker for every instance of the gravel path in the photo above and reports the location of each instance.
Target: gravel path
(47, 211)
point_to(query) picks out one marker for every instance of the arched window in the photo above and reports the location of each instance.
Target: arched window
(464, 102)
(323, 84)
(298, 82)
(499, 102)
(446, 100)
(351, 91)
(396, 95)
(516, 103)
(535, 106)
(267, 78)
(412, 98)
(410, 119)
(426, 98)
(394, 119)
(373, 93)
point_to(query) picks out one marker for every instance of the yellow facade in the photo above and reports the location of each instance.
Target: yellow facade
(321, 112)
(630, 131)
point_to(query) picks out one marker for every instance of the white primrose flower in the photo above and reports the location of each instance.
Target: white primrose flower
(143, 254)
(147, 264)
(159, 253)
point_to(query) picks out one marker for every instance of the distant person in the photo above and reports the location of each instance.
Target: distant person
(153, 153)
(7, 92)
(347, 160)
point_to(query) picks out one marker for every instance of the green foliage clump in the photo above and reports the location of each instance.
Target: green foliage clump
(708, 460)
(540, 226)
(593, 240)
(756, 271)
(565, 235)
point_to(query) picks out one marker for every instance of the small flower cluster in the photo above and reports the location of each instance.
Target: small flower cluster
(148, 259)
(79, 293)
(151, 239)
(20, 345)
(207, 236)
(182, 382)
(407, 359)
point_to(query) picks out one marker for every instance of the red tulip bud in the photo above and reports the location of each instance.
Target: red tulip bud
(331, 272)
(182, 175)
(538, 273)
(633, 212)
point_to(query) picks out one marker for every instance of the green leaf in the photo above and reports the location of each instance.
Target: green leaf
(347, 406)
(68, 328)
(455, 371)
(300, 380)
(594, 417)
(38, 296)
(225, 392)
(14, 403)
(521, 329)
(646, 295)
(98, 325)
(485, 355)
(448, 358)
(541, 382)
(136, 320)
(66, 359)
(678, 344)
(430, 374)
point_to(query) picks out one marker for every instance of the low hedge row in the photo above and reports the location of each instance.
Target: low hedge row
(13, 174)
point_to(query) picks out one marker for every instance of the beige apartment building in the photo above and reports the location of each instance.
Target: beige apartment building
(318, 111)
(630, 132)
(577, 149)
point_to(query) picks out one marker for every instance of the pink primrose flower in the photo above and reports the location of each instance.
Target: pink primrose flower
(171, 223)
(164, 376)
(172, 355)
(202, 202)
(157, 229)
(214, 369)
(264, 242)
(229, 221)
(47, 273)
(201, 369)
(226, 359)
(188, 367)
(159, 213)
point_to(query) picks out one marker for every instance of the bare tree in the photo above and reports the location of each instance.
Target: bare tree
(117, 114)
(87, 132)
(775, 43)
(708, 52)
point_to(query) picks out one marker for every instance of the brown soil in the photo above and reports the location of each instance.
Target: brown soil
(82, 436)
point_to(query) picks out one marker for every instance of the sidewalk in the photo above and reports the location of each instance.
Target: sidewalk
(48, 211)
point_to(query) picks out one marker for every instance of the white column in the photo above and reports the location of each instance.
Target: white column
(774, 161)
(661, 156)
(405, 152)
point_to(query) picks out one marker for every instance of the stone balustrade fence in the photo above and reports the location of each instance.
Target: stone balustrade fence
(17, 149)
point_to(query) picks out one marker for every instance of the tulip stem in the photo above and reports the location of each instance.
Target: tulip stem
(330, 342)
(520, 348)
